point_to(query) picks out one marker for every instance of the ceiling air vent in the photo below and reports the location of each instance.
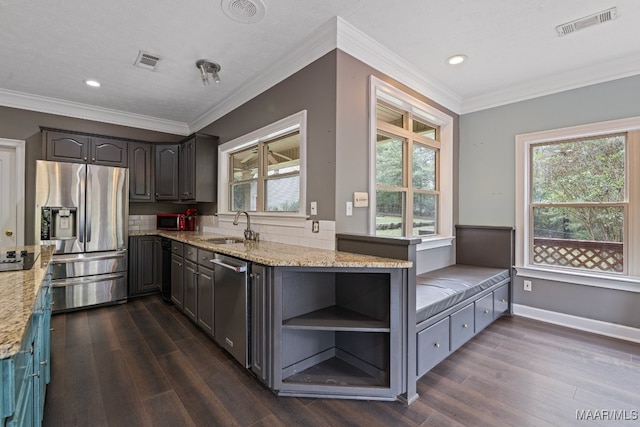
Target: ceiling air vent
(587, 21)
(146, 60)
(246, 11)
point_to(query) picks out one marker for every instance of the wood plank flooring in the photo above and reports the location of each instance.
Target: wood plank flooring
(145, 364)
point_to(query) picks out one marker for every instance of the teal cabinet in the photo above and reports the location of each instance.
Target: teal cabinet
(26, 374)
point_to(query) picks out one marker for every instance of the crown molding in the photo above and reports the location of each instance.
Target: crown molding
(42, 104)
(362, 47)
(318, 44)
(585, 76)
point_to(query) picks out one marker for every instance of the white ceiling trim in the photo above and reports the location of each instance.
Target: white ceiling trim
(314, 47)
(585, 76)
(24, 101)
(364, 48)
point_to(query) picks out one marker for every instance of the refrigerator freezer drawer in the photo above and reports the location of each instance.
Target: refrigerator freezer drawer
(88, 291)
(78, 265)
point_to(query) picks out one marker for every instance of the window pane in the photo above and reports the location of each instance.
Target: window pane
(424, 129)
(424, 214)
(389, 115)
(283, 194)
(589, 238)
(389, 213)
(245, 164)
(283, 154)
(244, 196)
(389, 161)
(579, 171)
(424, 167)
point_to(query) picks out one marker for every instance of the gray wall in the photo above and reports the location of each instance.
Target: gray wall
(25, 125)
(487, 175)
(311, 89)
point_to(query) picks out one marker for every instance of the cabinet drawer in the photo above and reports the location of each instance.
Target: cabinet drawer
(191, 253)
(205, 257)
(500, 301)
(433, 346)
(462, 326)
(177, 248)
(483, 312)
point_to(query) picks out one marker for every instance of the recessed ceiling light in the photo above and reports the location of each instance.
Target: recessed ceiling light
(92, 83)
(456, 59)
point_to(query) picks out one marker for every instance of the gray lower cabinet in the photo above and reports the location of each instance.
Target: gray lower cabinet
(337, 332)
(177, 274)
(190, 302)
(261, 322)
(145, 269)
(205, 293)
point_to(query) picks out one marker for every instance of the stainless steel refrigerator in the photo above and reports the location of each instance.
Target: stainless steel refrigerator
(83, 210)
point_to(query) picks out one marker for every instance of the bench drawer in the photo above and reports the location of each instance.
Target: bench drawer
(462, 326)
(433, 346)
(483, 312)
(500, 301)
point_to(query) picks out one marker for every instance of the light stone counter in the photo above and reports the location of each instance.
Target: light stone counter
(279, 254)
(18, 292)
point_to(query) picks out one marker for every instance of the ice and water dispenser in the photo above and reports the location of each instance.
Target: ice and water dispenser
(58, 223)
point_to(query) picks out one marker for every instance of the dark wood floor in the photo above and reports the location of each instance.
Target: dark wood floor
(144, 364)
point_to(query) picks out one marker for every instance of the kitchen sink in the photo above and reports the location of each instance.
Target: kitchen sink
(224, 240)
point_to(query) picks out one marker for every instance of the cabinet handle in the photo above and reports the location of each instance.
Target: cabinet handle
(465, 326)
(437, 345)
(37, 374)
(93, 159)
(85, 159)
(44, 362)
(503, 300)
(157, 195)
(486, 312)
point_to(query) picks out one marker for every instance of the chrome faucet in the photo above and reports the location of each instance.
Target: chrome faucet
(249, 234)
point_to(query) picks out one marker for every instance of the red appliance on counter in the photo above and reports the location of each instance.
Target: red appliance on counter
(173, 222)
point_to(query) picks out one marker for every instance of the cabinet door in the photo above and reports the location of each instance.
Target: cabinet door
(190, 289)
(205, 299)
(141, 186)
(177, 284)
(63, 147)
(188, 169)
(166, 173)
(260, 323)
(109, 152)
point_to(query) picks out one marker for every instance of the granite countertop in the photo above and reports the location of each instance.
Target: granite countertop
(279, 254)
(18, 292)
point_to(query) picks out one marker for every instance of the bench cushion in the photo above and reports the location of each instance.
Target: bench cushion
(440, 289)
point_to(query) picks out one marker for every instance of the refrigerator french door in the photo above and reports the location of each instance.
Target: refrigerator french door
(83, 211)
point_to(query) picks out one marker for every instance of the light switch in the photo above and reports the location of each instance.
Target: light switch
(314, 208)
(349, 208)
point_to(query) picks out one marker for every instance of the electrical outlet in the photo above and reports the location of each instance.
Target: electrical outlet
(527, 285)
(315, 227)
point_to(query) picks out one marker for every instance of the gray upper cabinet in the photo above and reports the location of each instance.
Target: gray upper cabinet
(79, 148)
(198, 168)
(166, 173)
(141, 179)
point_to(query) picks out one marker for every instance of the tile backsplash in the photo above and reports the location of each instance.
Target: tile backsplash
(301, 236)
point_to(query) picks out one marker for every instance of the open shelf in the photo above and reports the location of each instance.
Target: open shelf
(337, 372)
(336, 318)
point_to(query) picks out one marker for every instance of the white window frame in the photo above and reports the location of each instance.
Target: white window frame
(524, 267)
(271, 131)
(379, 89)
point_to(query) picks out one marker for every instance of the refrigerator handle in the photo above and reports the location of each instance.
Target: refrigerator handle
(81, 206)
(87, 217)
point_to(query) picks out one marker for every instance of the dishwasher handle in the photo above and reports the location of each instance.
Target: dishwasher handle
(235, 268)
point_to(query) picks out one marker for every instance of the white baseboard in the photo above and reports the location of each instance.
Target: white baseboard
(596, 326)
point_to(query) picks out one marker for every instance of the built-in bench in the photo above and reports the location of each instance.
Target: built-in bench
(447, 307)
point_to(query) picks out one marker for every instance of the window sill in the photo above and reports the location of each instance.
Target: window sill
(620, 283)
(434, 242)
(282, 219)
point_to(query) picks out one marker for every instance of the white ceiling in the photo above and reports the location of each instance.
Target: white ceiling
(48, 48)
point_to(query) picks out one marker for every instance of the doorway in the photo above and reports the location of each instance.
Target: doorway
(12, 192)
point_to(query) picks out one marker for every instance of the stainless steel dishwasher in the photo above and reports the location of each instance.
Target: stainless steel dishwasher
(231, 310)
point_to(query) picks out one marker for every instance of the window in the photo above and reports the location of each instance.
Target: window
(265, 169)
(578, 199)
(412, 165)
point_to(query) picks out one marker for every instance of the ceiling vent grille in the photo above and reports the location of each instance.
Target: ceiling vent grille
(245, 11)
(587, 21)
(146, 60)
